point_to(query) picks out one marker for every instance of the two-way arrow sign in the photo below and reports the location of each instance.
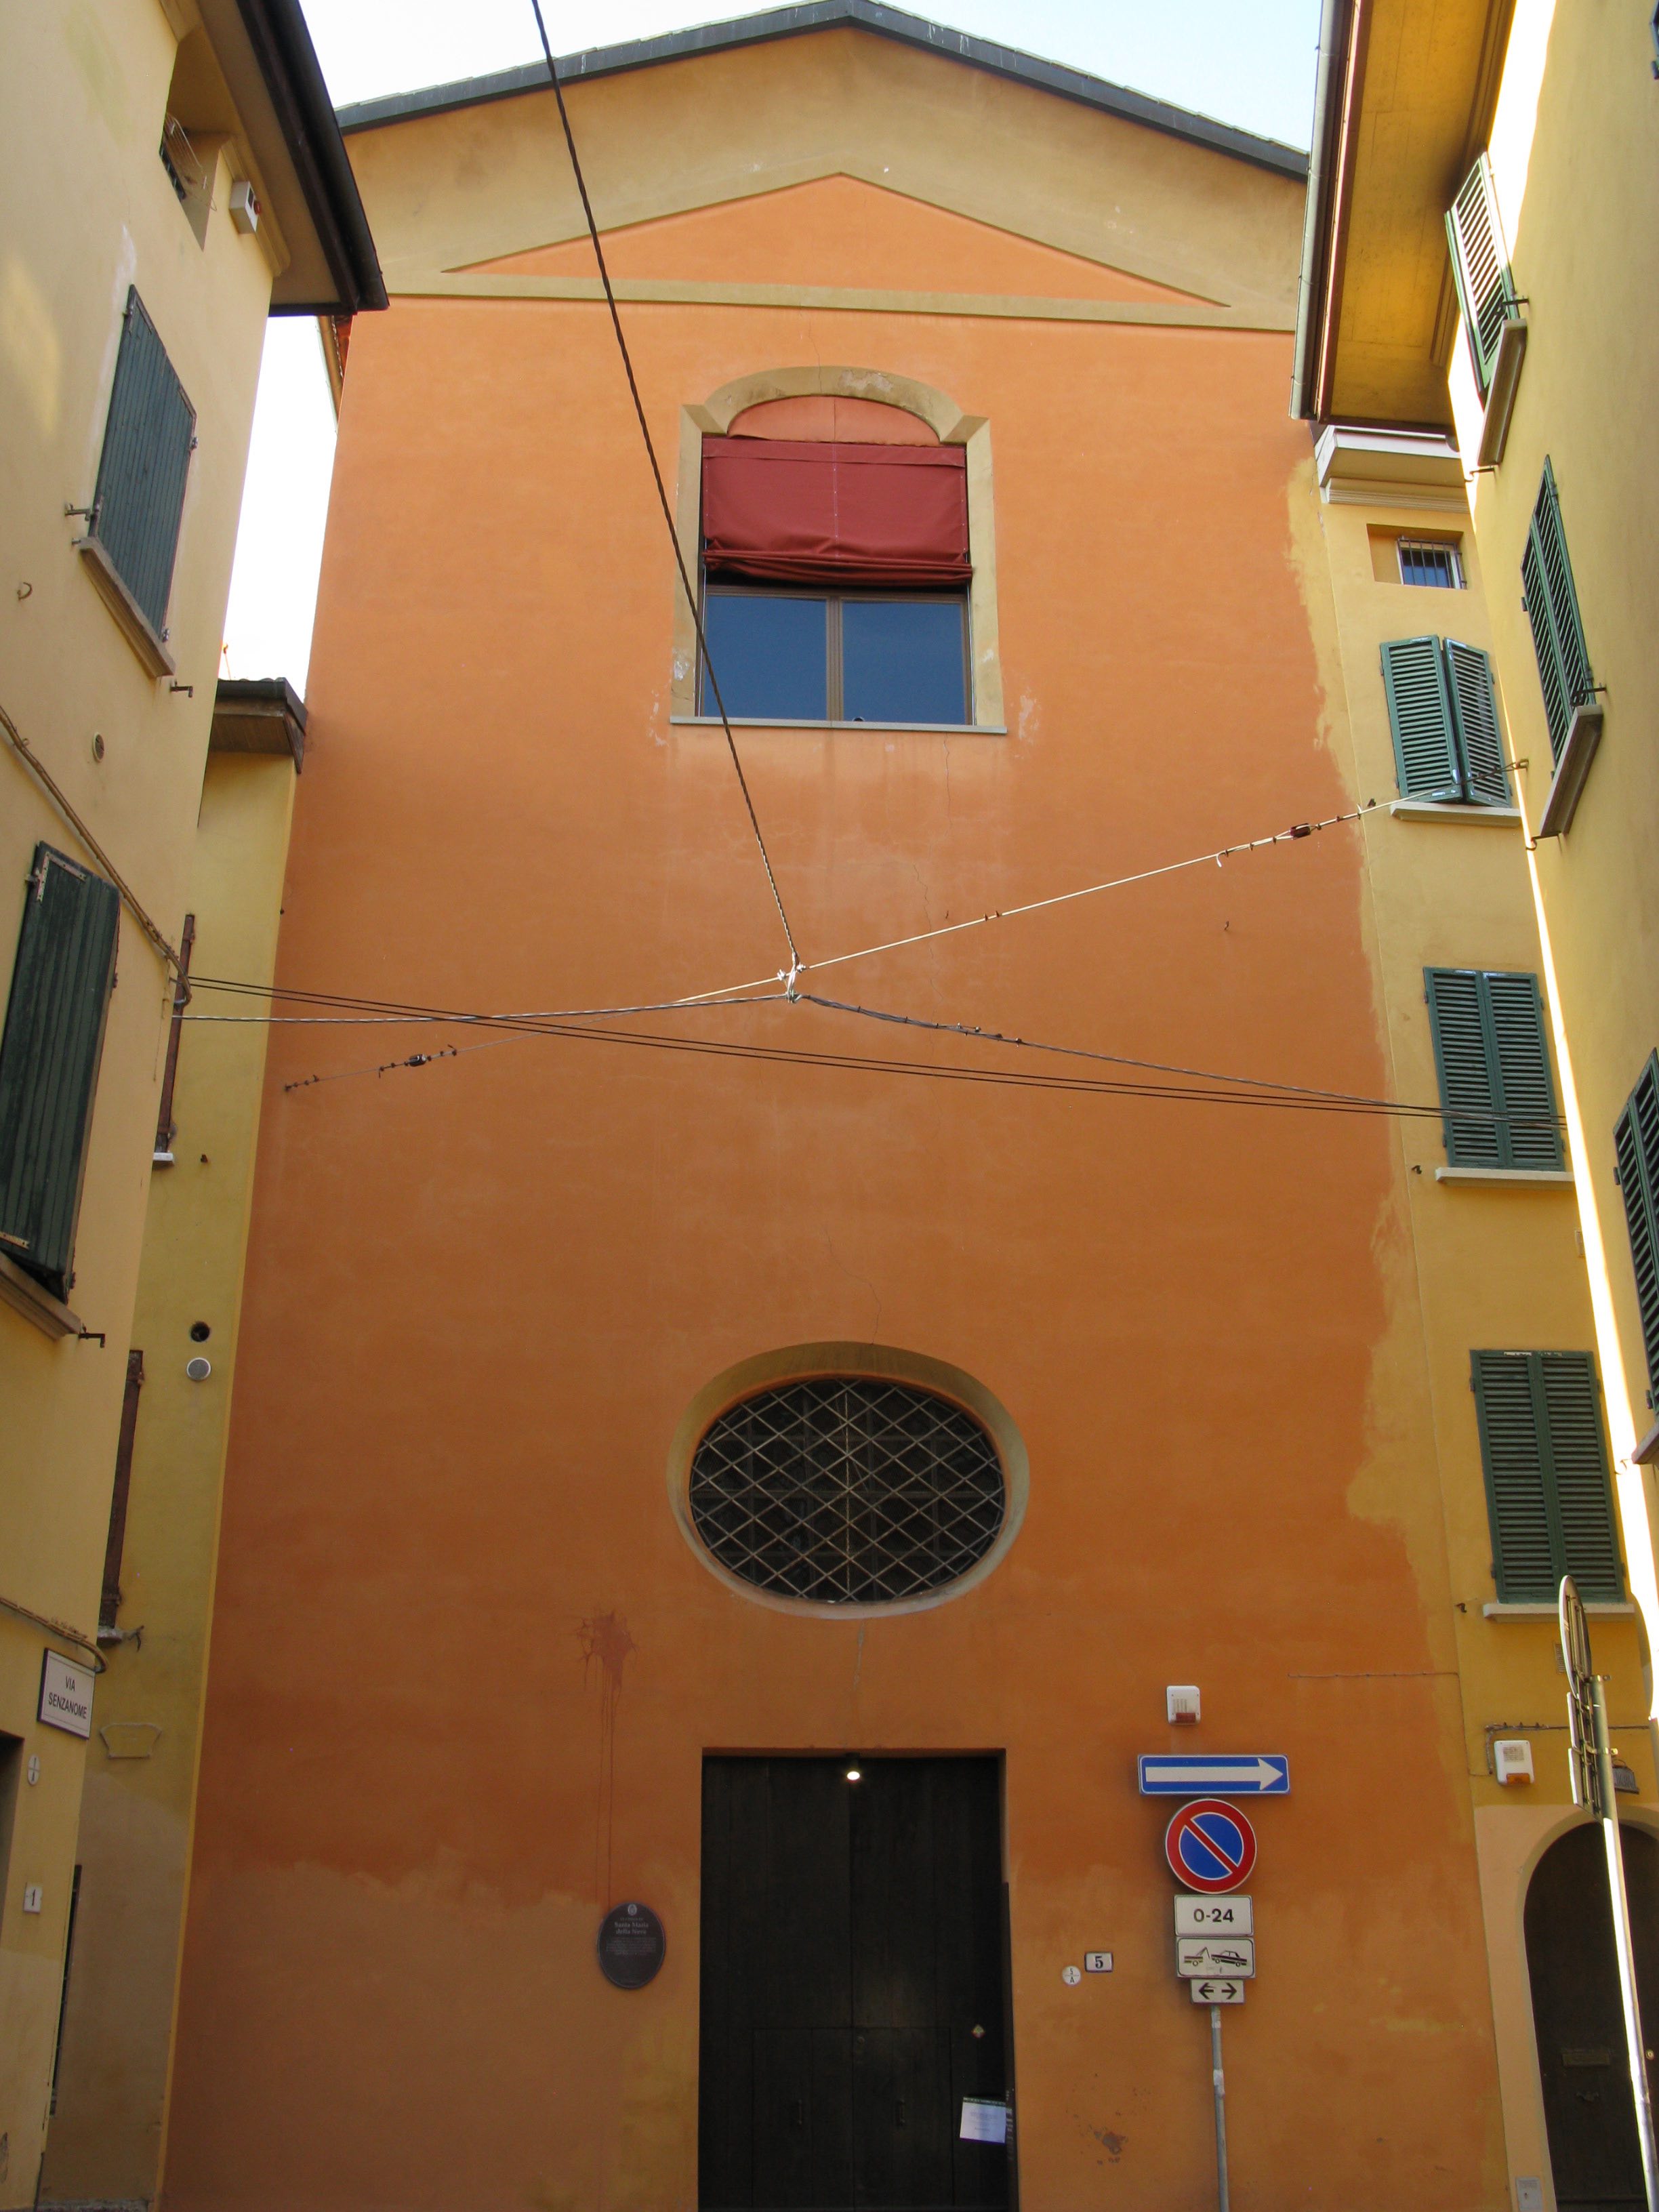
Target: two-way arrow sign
(1190, 1774)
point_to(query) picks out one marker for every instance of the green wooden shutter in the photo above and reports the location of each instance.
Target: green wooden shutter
(1465, 1062)
(54, 1034)
(1552, 603)
(1475, 714)
(148, 437)
(1493, 1060)
(1548, 1494)
(1420, 716)
(1525, 1542)
(1531, 1135)
(1636, 1141)
(1480, 267)
(1578, 1465)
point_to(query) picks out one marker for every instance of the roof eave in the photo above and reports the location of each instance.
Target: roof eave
(823, 15)
(291, 78)
(1321, 245)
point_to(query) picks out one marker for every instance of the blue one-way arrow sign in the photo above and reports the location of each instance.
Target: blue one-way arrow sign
(1190, 1774)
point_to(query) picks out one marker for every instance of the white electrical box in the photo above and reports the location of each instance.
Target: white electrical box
(1181, 1702)
(244, 207)
(1511, 1760)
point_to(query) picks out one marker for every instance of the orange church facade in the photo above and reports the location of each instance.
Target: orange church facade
(512, 1634)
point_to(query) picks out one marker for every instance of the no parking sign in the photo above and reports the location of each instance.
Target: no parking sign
(1210, 1845)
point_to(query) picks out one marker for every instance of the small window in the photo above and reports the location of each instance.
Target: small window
(837, 659)
(848, 1491)
(1432, 561)
(49, 1056)
(1636, 1146)
(1443, 712)
(148, 437)
(1494, 1069)
(1549, 1497)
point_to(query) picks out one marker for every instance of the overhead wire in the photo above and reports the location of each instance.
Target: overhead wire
(1204, 1085)
(1296, 831)
(662, 489)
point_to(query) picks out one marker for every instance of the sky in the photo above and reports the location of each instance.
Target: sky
(1250, 65)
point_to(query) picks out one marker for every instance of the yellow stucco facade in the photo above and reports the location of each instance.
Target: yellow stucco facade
(140, 1784)
(1560, 101)
(106, 726)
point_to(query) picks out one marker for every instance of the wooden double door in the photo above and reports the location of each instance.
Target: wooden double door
(1596, 2154)
(852, 1990)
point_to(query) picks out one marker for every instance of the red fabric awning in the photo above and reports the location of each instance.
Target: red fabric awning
(778, 511)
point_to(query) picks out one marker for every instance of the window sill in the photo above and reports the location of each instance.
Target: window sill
(1502, 1612)
(19, 1289)
(872, 729)
(1648, 1450)
(129, 617)
(161, 1159)
(1448, 810)
(1536, 1178)
(1500, 395)
(1583, 735)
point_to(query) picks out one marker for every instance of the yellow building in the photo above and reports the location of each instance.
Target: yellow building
(1475, 317)
(135, 1821)
(173, 175)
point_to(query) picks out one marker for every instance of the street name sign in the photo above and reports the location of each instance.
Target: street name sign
(1216, 1992)
(1200, 1958)
(1190, 1774)
(1217, 1916)
(1211, 1846)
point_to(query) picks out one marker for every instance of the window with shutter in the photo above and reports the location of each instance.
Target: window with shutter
(54, 1034)
(1636, 1141)
(1420, 716)
(1552, 603)
(1493, 1060)
(1442, 710)
(1548, 1495)
(1481, 268)
(1474, 717)
(147, 438)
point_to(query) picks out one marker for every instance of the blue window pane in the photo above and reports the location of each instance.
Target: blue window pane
(1435, 565)
(770, 655)
(902, 660)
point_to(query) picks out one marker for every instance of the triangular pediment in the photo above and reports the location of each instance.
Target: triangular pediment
(836, 231)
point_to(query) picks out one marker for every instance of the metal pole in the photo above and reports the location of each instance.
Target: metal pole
(1219, 2082)
(1635, 2044)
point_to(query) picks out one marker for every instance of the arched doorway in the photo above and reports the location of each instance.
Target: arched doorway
(1588, 2107)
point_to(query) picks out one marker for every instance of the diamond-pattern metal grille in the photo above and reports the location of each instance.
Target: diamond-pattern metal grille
(847, 1491)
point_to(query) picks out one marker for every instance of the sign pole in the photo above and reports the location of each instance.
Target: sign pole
(1591, 1756)
(1219, 2082)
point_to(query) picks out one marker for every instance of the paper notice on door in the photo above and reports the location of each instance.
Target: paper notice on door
(984, 2121)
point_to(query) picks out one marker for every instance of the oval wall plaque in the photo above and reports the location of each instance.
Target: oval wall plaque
(632, 1946)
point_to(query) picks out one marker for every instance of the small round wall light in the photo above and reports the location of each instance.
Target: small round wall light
(198, 1368)
(855, 1774)
(199, 1332)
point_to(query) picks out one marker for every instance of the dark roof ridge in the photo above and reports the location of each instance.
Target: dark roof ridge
(281, 42)
(821, 14)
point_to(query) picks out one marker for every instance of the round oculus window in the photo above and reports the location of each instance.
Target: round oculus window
(846, 1490)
